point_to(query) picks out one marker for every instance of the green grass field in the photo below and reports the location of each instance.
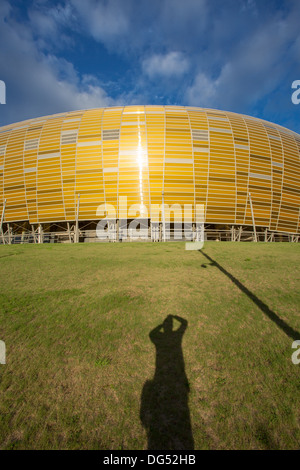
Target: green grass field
(83, 373)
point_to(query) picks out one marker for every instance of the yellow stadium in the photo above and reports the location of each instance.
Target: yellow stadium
(56, 171)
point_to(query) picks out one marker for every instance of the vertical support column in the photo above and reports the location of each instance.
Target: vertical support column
(40, 234)
(155, 231)
(76, 238)
(163, 217)
(33, 233)
(2, 219)
(117, 230)
(232, 234)
(202, 232)
(9, 234)
(253, 221)
(69, 232)
(112, 230)
(240, 233)
(199, 216)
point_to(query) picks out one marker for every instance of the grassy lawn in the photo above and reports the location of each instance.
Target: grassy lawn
(83, 373)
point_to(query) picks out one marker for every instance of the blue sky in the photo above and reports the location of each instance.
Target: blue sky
(236, 55)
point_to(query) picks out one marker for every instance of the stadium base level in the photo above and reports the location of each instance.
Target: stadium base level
(67, 232)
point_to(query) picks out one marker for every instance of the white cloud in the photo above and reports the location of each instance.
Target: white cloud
(202, 92)
(48, 24)
(104, 21)
(39, 84)
(235, 58)
(173, 64)
(125, 26)
(255, 69)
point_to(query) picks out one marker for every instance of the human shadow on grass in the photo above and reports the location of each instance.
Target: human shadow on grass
(288, 330)
(164, 403)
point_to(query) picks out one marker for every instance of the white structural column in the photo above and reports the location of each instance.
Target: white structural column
(253, 221)
(2, 218)
(163, 216)
(76, 240)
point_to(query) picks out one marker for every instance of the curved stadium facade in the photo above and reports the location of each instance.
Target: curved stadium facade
(144, 153)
